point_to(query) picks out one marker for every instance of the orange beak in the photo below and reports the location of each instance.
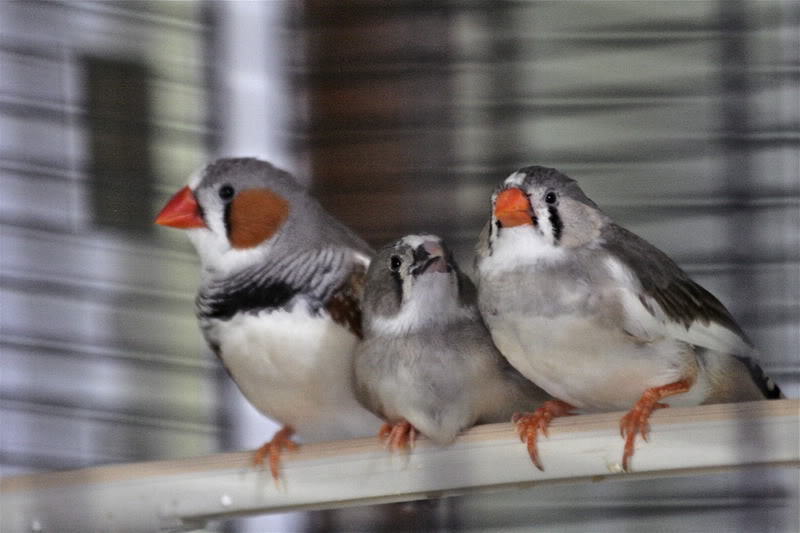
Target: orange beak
(181, 211)
(512, 208)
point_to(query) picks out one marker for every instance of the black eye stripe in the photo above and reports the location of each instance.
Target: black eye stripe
(556, 222)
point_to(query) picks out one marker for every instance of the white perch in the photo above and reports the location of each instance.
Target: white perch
(182, 494)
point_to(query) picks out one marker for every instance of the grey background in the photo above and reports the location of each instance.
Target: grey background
(681, 119)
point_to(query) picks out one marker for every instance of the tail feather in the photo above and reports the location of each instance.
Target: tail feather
(765, 384)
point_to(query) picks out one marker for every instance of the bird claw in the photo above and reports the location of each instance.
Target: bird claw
(282, 440)
(529, 424)
(400, 436)
(637, 422)
(384, 431)
(527, 427)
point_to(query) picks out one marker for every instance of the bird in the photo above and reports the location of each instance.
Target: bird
(598, 317)
(279, 297)
(427, 363)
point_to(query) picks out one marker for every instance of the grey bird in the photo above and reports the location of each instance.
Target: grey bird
(279, 297)
(427, 362)
(600, 318)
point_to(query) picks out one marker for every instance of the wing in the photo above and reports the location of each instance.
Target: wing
(323, 277)
(344, 305)
(660, 300)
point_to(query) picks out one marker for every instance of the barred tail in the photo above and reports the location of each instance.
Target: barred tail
(768, 387)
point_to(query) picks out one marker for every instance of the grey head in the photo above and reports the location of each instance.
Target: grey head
(548, 206)
(412, 284)
(243, 173)
(252, 209)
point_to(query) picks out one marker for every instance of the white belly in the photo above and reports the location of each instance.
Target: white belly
(296, 368)
(592, 368)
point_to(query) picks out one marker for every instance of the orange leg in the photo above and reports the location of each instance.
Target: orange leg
(282, 440)
(399, 436)
(637, 420)
(529, 424)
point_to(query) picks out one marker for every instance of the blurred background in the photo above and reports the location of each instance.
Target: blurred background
(681, 119)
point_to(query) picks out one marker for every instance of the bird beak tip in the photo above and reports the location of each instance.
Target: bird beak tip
(181, 211)
(513, 208)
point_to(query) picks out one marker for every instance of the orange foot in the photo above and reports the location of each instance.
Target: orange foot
(637, 420)
(282, 440)
(529, 424)
(399, 436)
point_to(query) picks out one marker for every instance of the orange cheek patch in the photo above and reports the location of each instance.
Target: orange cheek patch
(255, 216)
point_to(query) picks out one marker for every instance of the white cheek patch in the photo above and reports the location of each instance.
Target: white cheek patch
(214, 220)
(214, 249)
(545, 227)
(211, 242)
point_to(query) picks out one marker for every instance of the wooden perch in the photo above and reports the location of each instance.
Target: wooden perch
(183, 494)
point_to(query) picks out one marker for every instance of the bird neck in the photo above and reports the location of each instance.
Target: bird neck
(431, 304)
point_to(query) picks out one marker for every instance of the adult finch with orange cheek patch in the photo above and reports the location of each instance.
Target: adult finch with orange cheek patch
(279, 297)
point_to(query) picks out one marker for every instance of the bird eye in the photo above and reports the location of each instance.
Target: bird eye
(550, 197)
(395, 262)
(226, 192)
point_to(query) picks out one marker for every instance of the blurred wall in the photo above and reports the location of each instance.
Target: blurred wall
(679, 118)
(105, 111)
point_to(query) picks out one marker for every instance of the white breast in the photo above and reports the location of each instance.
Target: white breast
(295, 367)
(520, 247)
(588, 366)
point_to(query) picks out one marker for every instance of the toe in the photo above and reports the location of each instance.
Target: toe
(384, 431)
(275, 463)
(628, 453)
(261, 453)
